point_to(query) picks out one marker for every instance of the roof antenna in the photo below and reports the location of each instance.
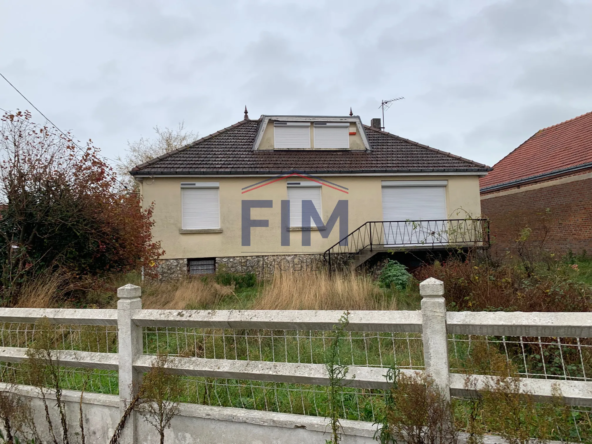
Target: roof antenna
(387, 104)
(246, 113)
(350, 111)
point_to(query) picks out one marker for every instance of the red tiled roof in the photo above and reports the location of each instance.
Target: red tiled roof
(230, 151)
(552, 149)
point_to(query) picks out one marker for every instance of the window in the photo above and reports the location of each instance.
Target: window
(200, 205)
(291, 135)
(297, 192)
(201, 266)
(331, 135)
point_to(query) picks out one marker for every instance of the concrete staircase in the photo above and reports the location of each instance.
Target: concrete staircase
(364, 255)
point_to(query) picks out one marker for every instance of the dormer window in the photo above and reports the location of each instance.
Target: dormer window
(331, 135)
(317, 133)
(291, 135)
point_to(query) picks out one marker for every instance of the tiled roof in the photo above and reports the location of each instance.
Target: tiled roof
(551, 151)
(230, 151)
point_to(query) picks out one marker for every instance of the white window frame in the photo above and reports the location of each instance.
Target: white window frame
(306, 145)
(199, 185)
(319, 126)
(306, 184)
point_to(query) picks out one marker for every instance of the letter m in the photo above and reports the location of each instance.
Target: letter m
(310, 212)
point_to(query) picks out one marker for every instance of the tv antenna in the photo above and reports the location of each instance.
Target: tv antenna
(387, 104)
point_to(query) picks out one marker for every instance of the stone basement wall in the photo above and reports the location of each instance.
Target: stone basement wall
(262, 266)
(171, 269)
(569, 223)
(265, 266)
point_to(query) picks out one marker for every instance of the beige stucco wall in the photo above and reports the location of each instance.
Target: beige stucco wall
(267, 141)
(365, 203)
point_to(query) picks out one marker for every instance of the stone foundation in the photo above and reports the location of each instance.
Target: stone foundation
(265, 266)
(170, 269)
(262, 266)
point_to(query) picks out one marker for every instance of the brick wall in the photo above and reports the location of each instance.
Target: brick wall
(568, 224)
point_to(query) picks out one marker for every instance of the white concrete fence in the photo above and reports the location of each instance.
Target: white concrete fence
(432, 321)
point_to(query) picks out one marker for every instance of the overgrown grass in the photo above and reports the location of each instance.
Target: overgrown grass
(472, 285)
(285, 291)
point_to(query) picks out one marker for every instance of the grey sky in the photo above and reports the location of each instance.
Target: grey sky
(479, 77)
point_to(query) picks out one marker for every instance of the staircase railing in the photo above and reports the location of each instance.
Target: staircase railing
(413, 234)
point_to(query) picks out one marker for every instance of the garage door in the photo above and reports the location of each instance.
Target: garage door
(409, 210)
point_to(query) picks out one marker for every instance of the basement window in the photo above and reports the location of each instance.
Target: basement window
(331, 135)
(201, 266)
(291, 135)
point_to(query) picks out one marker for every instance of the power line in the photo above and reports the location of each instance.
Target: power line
(55, 126)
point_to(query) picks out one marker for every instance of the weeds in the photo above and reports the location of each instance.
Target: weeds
(420, 414)
(16, 417)
(384, 434)
(474, 285)
(337, 372)
(44, 372)
(504, 408)
(161, 392)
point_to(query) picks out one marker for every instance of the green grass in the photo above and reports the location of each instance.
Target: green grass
(584, 273)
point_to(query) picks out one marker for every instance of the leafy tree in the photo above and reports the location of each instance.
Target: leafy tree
(144, 150)
(63, 209)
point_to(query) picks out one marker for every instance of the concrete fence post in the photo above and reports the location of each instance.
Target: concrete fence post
(435, 339)
(129, 348)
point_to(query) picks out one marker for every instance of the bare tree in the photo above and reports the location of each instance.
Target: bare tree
(146, 149)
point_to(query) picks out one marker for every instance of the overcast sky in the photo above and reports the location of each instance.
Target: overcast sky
(478, 77)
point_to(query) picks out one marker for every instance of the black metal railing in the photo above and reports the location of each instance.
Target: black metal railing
(412, 234)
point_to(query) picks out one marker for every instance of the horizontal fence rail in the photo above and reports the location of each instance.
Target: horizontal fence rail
(375, 321)
(230, 353)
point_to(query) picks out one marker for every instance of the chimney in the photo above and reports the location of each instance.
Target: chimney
(375, 123)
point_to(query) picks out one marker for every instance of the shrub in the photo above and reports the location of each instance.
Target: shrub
(473, 285)
(394, 275)
(419, 413)
(64, 210)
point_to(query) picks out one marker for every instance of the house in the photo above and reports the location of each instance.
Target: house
(286, 190)
(544, 184)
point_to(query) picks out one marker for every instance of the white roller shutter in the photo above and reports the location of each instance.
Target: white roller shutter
(291, 135)
(414, 203)
(296, 194)
(331, 135)
(200, 207)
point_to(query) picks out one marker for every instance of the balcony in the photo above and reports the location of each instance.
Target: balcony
(409, 235)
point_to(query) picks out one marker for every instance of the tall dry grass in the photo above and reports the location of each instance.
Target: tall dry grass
(319, 291)
(182, 294)
(42, 292)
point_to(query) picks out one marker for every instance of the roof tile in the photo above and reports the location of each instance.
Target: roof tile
(567, 144)
(230, 151)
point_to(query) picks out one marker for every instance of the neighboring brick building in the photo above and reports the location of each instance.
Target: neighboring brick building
(545, 184)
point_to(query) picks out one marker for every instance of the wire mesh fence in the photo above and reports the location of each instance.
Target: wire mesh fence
(371, 349)
(554, 358)
(91, 338)
(533, 357)
(354, 403)
(89, 380)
